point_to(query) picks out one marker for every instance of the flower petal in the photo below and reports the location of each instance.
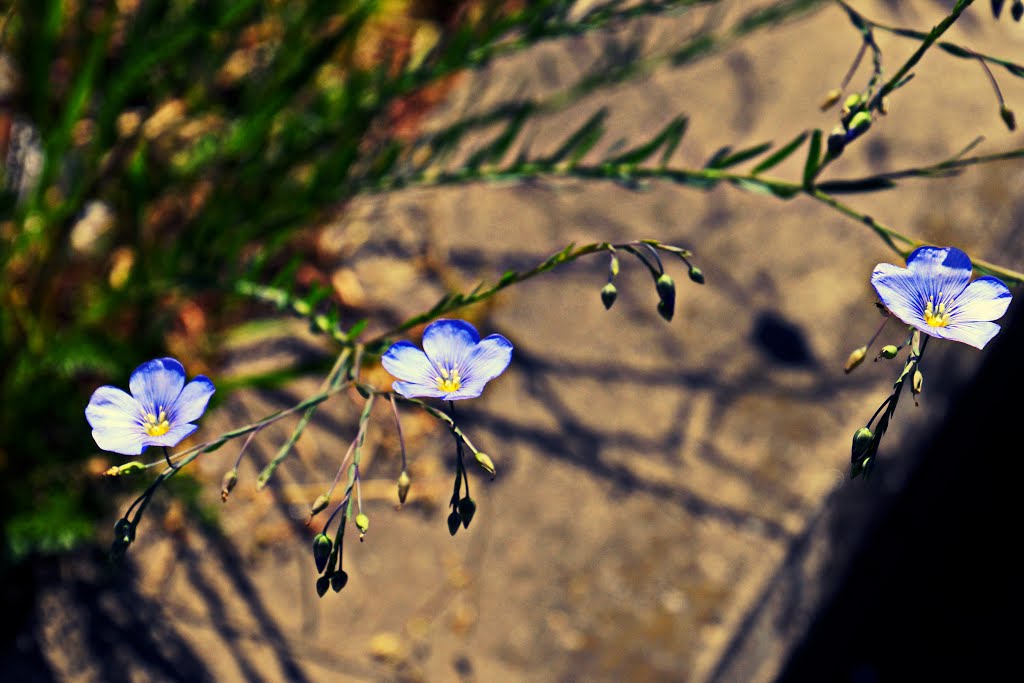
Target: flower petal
(941, 270)
(157, 383)
(417, 390)
(899, 289)
(116, 421)
(984, 299)
(123, 441)
(173, 436)
(406, 362)
(191, 402)
(488, 360)
(449, 343)
(975, 334)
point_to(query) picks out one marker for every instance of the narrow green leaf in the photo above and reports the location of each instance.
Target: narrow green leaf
(780, 154)
(674, 138)
(813, 162)
(726, 158)
(581, 142)
(669, 135)
(494, 152)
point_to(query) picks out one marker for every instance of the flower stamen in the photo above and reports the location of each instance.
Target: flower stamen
(449, 381)
(156, 425)
(936, 317)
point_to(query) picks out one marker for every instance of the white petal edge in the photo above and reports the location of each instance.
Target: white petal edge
(985, 299)
(407, 362)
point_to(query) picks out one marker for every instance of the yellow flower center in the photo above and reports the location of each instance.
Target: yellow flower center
(936, 317)
(449, 381)
(156, 425)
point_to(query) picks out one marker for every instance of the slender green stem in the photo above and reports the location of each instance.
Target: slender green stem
(928, 41)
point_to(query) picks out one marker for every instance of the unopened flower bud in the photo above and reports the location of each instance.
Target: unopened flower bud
(362, 523)
(322, 584)
(855, 359)
(485, 461)
(696, 274)
(888, 352)
(608, 295)
(338, 580)
(1008, 118)
(467, 508)
(403, 486)
(997, 8)
(666, 295)
(918, 382)
(836, 141)
(862, 441)
(227, 484)
(830, 99)
(322, 547)
(1017, 10)
(453, 522)
(319, 504)
(132, 467)
(859, 125)
(852, 102)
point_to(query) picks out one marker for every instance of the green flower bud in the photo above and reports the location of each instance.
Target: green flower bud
(485, 461)
(403, 486)
(362, 523)
(888, 352)
(322, 547)
(697, 275)
(1008, 118)
(322, 584)
(338, 580)
(319, 504)
(1017, 10)
(918, 382)
(133, 467)
(830, 99)
(608, 295)
(227, 484)
(859, 124)
(836, 142)
(467, 508)
(855, 359)
(453, 522)
(863, 441)
(852, 102)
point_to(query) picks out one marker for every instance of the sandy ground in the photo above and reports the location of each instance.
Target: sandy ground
(663, 488)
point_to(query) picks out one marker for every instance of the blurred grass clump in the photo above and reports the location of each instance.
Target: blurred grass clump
(154, 153)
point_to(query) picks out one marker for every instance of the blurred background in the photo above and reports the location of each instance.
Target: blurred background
(672, 500)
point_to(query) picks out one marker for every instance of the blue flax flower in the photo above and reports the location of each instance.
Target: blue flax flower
(934, 294)
(454, 363)
(158, 412)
